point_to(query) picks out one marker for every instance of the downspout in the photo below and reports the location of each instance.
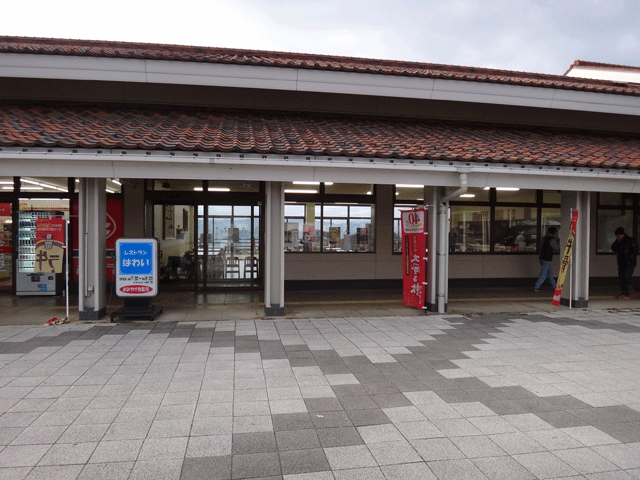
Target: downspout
(443, 249)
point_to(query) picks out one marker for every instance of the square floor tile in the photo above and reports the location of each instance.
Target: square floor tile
(255, 465)
(303, 461)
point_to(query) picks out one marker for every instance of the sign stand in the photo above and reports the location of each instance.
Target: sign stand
(137, 278)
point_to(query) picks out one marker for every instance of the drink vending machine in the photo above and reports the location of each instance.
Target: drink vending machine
(28, 280)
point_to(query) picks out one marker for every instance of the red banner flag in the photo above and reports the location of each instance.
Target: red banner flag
(414, 255)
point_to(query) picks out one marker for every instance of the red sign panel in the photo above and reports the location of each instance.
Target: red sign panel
(136, 289)
(414, 257)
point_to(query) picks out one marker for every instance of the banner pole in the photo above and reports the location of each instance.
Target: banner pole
(571, 274)
(66, 247)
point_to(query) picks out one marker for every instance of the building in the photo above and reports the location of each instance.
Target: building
(284, 170)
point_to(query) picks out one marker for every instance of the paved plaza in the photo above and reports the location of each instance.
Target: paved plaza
(542, 395)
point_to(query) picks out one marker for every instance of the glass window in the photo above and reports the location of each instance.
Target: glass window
(397, 225)
(469, 229)
(608, 221)
(340, 227)
(515, 195)
(516, 229)
(301, 225)
(550, 217)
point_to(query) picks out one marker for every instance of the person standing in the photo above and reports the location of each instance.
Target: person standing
(547, 249)
(626, 249)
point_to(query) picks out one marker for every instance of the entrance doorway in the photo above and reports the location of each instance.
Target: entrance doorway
(229, 245)
(205, 247)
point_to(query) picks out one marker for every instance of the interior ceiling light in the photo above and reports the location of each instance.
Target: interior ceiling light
(6, 183)
(467, 195)
(504, 189)
(409, 186)
(299, 191)
(219, 189)
(116, 181)
(32, 182)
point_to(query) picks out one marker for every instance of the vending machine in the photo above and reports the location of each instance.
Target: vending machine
(28, 280)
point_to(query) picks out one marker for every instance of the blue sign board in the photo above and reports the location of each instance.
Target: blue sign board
(135, 258)
(136, 267)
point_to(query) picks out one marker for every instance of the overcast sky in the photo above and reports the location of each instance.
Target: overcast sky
(543, 36)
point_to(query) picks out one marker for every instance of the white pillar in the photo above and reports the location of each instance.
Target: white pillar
(92, 294)
(575, 292)
(274, 250)
(432, 196)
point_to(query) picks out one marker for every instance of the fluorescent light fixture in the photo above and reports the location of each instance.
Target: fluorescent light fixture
(197, 189)
(504, 189)
(467, 195)
(7, 188)
(116, 181)
(24, 180)
(409, 186)
(405, 205)
(6, 183)
(218, 189)
(109, 190)
(299, 191)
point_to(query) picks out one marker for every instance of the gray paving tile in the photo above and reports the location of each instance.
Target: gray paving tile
(297, 440)
(255, 465)
(503, 468)
(106, 471)
(215, 468)
(303, 461)
(256, 442)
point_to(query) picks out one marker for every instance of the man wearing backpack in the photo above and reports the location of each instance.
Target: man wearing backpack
(547, 249)
(627, 250)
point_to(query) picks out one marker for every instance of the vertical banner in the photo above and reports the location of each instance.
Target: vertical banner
(414, 249)
(49, 245)
(566, 259)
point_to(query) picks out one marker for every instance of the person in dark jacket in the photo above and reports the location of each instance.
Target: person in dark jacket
(547, 249)
(627, 250)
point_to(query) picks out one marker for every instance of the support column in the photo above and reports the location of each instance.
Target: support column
(92, 238)
(432, 196)
(274, 250)
(575, 292)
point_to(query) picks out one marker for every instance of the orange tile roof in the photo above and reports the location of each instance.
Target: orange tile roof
(95, 128)
(92, 48)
